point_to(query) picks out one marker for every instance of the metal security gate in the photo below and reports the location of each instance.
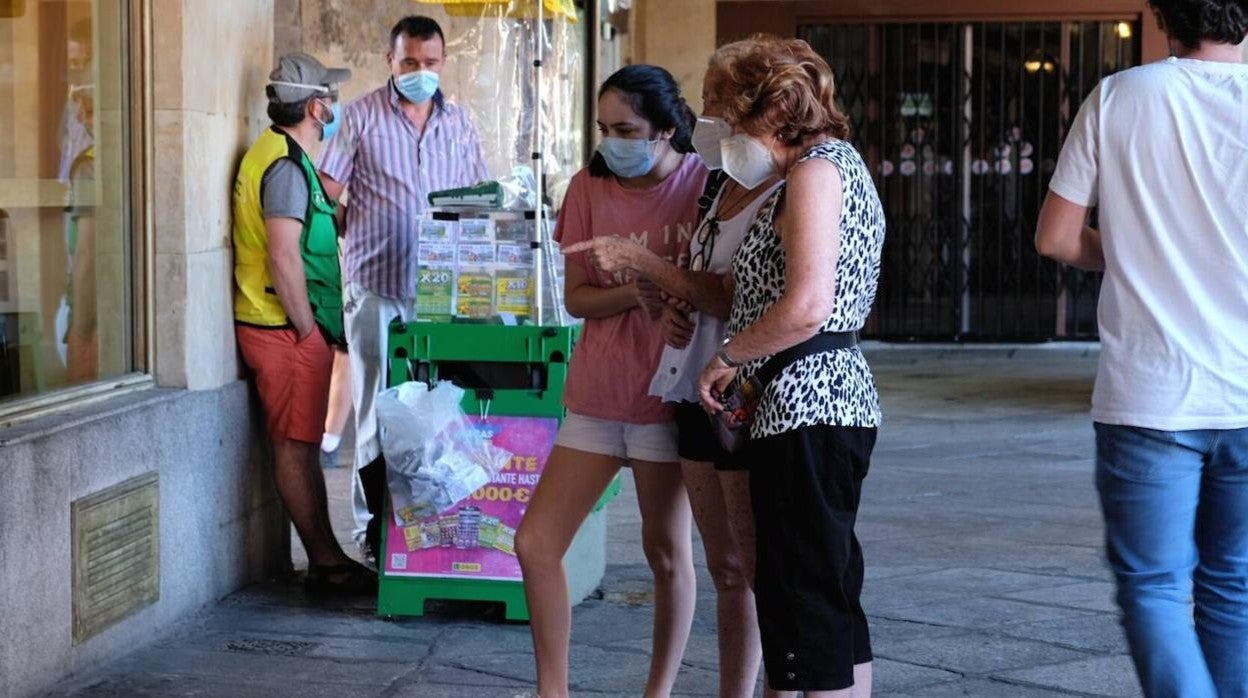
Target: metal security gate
(962, 125)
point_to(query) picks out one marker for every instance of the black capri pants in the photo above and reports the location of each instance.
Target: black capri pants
(806, 485)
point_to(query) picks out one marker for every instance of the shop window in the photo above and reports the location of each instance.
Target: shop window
(67, 233)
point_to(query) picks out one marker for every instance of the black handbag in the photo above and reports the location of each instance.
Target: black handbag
(732, 424)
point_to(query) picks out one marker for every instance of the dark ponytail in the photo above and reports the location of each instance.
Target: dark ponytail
(653, 94)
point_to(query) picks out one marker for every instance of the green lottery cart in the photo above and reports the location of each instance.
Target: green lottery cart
(482, 324)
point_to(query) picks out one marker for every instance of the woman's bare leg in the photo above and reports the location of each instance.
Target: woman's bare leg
(667, 537)
(571, 483)
(736, 620)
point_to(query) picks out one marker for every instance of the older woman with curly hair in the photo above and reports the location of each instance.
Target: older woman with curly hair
(805, 279)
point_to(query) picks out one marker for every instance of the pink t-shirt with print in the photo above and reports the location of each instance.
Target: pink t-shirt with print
(609, 377)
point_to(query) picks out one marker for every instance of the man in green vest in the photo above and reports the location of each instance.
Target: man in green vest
(288, 301)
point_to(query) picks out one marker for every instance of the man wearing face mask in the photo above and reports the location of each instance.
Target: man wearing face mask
(398, 143)
(288, 301)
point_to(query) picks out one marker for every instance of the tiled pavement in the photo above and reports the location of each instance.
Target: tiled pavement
(984, 572)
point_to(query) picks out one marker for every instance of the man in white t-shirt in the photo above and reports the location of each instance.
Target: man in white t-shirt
(1163, 151)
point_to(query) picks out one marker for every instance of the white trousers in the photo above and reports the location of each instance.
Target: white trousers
(368, 318)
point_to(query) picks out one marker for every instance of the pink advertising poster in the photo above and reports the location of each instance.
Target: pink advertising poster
(476, 537)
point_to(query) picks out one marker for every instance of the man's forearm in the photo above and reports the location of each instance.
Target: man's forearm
(1082, 252)
(1091, 253)
(292, 291)
(1063, 234)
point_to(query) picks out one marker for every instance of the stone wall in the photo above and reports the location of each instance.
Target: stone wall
(679, 36)
(211, 62)
(221, 523)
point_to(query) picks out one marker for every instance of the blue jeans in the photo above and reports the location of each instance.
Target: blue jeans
(1176, 519)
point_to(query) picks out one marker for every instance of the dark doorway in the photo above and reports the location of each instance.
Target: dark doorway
(962, 124)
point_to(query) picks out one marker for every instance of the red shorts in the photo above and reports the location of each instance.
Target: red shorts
(292, 377)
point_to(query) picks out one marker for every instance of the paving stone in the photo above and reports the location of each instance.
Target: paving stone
(1093, 596)
(468, 643)
(900, 630)
(475, 677)
(876, 573)
(983, 613)
(621, 669)
(896, 603)
(871, 532)
(889, 675)
(978, 581)
(307, 622)
(246, 667)
(979, 688)
(1102, 676)
(458, 690)
(701, 652)
(974, 653)
(1098, 633)
(380, 649)
(170, 686)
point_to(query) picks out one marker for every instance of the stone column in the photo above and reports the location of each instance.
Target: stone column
(677, 36)
(212, 61)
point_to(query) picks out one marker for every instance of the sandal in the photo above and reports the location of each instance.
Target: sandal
(349, 578)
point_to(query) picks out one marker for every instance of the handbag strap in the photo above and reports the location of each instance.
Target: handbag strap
(824, 341)
(714, 182)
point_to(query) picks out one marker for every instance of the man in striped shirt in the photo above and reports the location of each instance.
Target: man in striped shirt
(396, 145)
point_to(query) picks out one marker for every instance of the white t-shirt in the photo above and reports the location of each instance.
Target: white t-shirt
(676, 379)
(1163, 150)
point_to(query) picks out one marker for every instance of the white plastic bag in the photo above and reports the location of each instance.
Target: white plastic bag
(519, 188)
(435, 457)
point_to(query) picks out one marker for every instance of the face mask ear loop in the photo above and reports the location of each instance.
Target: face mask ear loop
(303, 86)
(329, 108)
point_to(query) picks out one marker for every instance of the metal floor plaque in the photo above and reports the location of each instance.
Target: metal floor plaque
(116, 554)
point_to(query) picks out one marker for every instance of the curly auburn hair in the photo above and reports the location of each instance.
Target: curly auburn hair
(726, 54)
(773, 86)
(1193, 21)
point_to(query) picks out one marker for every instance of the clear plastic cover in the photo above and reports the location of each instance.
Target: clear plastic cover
(522, 79)
(495, 47)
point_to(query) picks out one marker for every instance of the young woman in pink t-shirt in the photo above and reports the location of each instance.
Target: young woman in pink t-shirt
(643, 185)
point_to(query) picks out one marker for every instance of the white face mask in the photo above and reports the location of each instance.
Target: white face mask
(707, 134)
(746, 160)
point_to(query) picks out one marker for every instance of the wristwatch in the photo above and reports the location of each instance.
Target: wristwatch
(723, 354)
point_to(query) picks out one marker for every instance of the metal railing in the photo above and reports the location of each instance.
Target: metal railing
(962, 124)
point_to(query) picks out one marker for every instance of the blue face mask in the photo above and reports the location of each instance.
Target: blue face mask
(628, 157)
(417, 87)
(329, 128)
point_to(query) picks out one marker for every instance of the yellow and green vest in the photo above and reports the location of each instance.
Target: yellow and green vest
(255, 298)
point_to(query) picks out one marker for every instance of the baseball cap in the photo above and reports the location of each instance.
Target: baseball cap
(299, 76)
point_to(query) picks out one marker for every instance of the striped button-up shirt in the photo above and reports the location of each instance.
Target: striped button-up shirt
(389, 168)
